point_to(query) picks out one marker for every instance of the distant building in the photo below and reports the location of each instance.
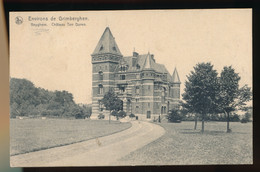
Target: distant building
(146, 88)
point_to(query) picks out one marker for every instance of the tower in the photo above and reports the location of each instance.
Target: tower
(176, 88)
(105, 59)
(148, 87)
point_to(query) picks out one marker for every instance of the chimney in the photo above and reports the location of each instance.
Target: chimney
(152, 56)
(135, 54)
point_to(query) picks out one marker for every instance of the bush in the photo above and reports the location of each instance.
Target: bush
(121, 114)
(174, 116)
(131, 115)
(101, 116)
(244, 120)
(79, 116)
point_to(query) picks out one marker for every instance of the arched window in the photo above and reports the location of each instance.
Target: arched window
(100, 89)
(100, 75)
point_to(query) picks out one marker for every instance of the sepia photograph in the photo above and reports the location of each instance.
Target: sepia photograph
(131, 88)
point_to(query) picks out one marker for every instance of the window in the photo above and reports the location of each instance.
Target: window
(137, 66)
(122, 77)
(148, 87)
(114, 48)
(136, 100)
(101, 108)
(148, 104)
(163, 94)
(100, 75)
(100, 89)
(121, 90)
(137, 90)
(101, 48)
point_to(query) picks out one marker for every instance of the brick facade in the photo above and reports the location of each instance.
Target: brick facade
(146, 87)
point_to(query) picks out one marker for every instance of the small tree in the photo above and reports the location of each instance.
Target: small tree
(112, 102)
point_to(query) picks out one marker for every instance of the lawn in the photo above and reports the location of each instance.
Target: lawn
(29, 135)
(181, 145)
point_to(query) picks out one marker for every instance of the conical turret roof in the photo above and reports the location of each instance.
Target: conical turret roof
(107, 44)
(175, 77)
(147, 63)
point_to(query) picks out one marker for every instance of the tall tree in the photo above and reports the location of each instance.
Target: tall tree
(111, 102)
(229, 87)
(201, 89)
(231, 97)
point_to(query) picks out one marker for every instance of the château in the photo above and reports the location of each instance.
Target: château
(146, 88)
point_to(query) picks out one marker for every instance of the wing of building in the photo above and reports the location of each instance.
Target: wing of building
(146, 88)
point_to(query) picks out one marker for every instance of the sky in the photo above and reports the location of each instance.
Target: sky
(59, 57)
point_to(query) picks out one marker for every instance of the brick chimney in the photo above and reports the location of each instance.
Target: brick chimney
(135, 54)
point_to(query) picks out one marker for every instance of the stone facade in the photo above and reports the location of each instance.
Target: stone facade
(145, 87)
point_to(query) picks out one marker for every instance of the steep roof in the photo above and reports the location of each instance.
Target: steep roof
(107, 44)
(175, 76)
(145, 62)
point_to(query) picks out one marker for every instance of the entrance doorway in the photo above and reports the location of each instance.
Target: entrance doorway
(148, 115)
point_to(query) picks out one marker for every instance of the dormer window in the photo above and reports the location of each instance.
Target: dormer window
(101, 48)
(114, 48)
(123, 68)
(137, 66)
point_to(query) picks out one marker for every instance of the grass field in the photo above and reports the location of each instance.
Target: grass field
(29, 135)
(182, 145)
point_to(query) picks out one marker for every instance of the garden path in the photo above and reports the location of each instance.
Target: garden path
(103, 151)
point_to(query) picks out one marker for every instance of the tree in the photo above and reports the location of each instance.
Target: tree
(28, 100)
(189, 108)
(111, 102)
(201, 89)
(230, 96)
(174, 116)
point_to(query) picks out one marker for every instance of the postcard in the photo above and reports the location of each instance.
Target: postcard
(131, 87)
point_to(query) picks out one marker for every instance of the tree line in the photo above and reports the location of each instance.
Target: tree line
(207, 95)
(28, 100)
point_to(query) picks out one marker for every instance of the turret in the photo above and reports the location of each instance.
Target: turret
(105, 59)
(176, 87)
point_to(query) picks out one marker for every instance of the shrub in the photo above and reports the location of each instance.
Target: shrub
(132, 115)
(174, 116)
(244, 120)
(101, 116)
(79, 116)
(121, 114)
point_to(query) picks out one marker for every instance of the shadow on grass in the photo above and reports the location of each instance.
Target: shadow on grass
(207, 132)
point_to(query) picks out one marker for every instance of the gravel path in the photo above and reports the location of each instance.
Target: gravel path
(103, 151)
